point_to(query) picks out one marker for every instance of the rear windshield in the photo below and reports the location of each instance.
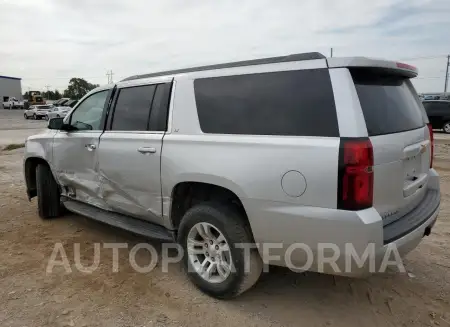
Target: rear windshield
(389, 103)
(294, 103)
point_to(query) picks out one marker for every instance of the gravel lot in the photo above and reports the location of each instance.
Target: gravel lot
(14, 128)
(30, 297)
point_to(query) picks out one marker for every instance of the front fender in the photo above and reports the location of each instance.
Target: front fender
(38, 148)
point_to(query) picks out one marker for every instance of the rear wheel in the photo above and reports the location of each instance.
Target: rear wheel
(48, 194)
(209, 234)
(446, 127)
(34, 117)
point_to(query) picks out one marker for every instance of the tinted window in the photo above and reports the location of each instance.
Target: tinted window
(160, 108)
(389, 103)
(281, 103)
(132, 109)
(88, 115)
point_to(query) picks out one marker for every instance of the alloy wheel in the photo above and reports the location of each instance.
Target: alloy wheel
(209, 253)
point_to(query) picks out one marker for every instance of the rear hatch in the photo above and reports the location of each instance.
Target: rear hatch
(396, 125)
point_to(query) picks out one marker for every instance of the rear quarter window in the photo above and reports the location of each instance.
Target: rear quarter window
(297, 103)
(389, 103)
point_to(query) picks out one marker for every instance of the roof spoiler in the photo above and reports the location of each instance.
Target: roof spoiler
(398, 68)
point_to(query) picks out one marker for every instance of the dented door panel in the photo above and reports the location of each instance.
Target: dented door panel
(129, 173)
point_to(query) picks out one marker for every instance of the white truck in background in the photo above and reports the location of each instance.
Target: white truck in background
(12, 103)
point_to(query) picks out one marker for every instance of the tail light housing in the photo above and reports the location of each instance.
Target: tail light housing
(355, 175)
(430, 128)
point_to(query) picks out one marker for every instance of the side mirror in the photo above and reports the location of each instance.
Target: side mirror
(56, 123)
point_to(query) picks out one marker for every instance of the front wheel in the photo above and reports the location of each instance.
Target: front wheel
(446, 127)
(48, 193)
(213, 237)
(25, 116)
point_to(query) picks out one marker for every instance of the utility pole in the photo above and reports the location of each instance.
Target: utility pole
(446, 74)
(331, 52)
(48, 95)
(110, 76)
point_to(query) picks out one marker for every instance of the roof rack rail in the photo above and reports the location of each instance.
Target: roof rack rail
(271, 60)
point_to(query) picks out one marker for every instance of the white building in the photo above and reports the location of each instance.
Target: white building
(10, 87)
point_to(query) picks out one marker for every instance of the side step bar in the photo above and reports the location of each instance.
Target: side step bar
(131, 224)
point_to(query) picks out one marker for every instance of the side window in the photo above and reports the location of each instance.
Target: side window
(88, 115)
(132, 110)
(160, 108)
(297, 103)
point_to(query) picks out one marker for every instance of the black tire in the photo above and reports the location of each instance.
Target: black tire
(34, 117)
(446, 127)
(48, 193)
(231, 224)
(25, 116)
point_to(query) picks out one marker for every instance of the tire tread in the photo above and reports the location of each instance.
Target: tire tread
(48, 194)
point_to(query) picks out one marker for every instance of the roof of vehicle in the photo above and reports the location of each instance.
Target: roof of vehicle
(262, 61)
(399, 68)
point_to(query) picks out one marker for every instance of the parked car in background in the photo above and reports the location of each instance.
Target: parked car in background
(438, 112)
(71, 103)
(12, 103)
(37, 111)
(56, 112)
(60, 102)
(275, 151)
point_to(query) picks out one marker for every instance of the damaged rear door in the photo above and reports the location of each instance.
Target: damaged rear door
(130, 150)
(75, 151)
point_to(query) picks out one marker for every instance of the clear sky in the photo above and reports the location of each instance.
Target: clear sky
(46, 42)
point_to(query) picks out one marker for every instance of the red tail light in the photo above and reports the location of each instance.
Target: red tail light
(406, 66)
(355, 184)
(430, 128)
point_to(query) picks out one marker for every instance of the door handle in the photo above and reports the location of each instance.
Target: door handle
(90, 147)
(145, 150)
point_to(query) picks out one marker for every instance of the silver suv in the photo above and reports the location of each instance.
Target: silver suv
(294, 150)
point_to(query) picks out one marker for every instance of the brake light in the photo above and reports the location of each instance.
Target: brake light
(355, 183)
(406, 66)
(430, 128)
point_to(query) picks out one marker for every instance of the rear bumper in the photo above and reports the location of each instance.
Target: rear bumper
(287, 235)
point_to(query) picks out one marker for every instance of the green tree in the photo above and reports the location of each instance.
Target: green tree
(49, 95)
(57, 95)
(77, 88)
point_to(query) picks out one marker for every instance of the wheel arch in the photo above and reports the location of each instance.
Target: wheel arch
(188, 193)
(30, 166)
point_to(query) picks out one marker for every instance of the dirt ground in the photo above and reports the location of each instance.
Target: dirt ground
(31, 297)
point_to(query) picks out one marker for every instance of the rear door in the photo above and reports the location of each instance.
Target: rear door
(130, 151)
(395, 121)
